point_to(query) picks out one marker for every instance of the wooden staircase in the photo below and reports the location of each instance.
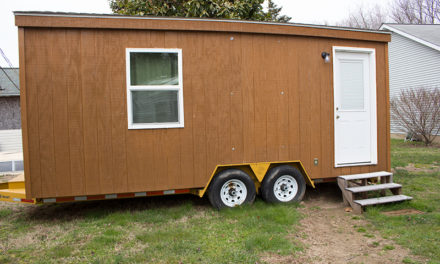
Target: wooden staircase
(356, 187)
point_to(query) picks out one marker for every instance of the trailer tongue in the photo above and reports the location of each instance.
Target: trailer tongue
(14, 191)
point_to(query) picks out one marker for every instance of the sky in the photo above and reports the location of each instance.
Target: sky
(301, 11)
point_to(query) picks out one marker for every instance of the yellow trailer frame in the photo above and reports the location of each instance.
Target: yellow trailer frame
(257, 170)
(14, 190)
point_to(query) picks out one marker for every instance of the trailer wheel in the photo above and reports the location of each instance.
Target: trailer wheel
(230, 188)
(283, 184)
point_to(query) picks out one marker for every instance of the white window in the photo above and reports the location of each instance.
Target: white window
(154, 88)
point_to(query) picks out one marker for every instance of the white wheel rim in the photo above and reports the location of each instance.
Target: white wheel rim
(285, 188)
(233, 193)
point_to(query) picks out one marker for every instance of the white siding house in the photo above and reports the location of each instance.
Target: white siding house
(11, 158)
(414, 59)
(10, 121)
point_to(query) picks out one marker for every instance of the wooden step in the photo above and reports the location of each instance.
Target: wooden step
(375, 187)
(365, 175)
(383, 200)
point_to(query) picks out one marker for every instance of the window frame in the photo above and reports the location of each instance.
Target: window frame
(131, 88)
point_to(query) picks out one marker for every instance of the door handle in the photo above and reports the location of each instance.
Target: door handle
(337, 117)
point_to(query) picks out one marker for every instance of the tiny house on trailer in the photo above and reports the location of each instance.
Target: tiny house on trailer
(122, 106)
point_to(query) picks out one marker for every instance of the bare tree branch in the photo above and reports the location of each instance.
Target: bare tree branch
(364, 17)
(415, 11)
(418, 111)
(400, 11)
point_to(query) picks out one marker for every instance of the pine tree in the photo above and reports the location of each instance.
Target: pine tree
(231, 9)
(273, 13)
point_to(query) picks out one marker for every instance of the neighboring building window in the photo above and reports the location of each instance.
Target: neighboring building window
(154, 88)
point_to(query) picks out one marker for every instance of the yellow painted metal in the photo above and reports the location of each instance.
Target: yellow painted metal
(14, 191)
(12, 185)
(258, 170)
(8, 195)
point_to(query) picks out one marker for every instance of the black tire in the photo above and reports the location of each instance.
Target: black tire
(290, 174)
(234, 175)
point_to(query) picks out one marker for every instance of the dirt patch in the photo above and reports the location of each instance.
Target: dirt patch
(332, 235)
(277, 259)
(403, 212)
(411, 167)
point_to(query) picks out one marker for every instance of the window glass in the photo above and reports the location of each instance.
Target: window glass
(155, 106)
(154, 68)
(352, 85)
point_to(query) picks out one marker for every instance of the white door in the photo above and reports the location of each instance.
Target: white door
(355, 107)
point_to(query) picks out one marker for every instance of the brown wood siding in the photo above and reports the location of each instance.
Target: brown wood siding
(25, 120)
(247, 98)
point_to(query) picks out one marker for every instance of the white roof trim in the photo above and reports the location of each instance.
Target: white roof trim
(421, 41)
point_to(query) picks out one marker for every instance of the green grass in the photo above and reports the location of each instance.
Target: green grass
(5, 212)
(388, 247)
(156, 230)
(403, 153)
(408, 260)
(418, 232)
(361, 229)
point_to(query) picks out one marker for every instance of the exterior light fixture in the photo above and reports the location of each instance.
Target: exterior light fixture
(325, 56)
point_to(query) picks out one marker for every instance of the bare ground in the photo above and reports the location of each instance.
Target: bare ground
(332, 235)
(329, 233)
(411, 167)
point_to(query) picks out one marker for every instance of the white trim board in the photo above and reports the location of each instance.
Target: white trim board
(178, 88)
(373, 100)
(416, 39)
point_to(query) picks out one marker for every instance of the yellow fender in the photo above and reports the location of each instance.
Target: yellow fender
(257, 171)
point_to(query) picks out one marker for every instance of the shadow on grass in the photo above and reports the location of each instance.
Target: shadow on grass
(65, 212)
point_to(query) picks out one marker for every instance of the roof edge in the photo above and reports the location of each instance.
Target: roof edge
(412, 37)
(10, 95)
(118, 16)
